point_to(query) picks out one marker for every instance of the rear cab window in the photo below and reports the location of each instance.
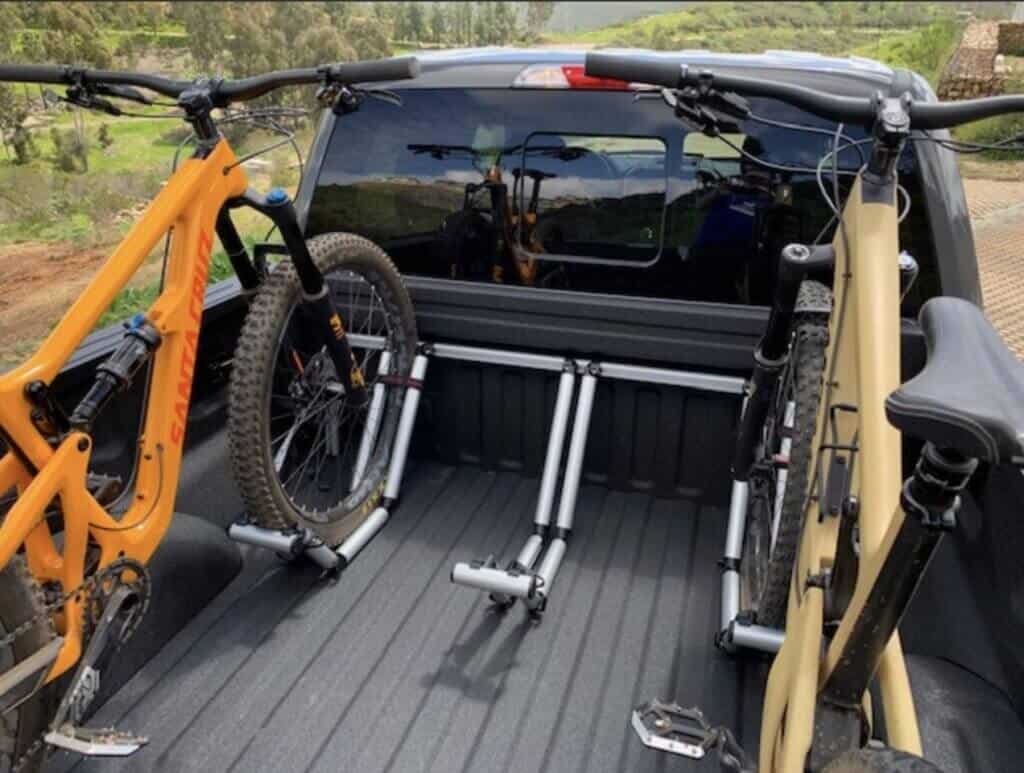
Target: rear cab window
(588, 191)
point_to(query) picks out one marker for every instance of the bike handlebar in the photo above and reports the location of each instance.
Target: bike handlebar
(853, 110)
(221, 92)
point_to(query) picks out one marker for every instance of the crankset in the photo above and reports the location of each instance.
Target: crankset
(120, 597)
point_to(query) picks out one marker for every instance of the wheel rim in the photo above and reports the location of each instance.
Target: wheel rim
(315, 430)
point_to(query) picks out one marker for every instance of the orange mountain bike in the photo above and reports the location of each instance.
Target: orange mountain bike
(73, 582)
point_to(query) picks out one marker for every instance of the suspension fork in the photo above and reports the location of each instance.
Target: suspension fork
(772, 353)
(316, 298)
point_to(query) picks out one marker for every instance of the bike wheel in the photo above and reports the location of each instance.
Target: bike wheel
(294, 436)
(882, 760)
(778, 482)
(20, 728)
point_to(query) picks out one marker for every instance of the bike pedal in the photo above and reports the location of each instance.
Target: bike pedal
(670, 728)
(90, 742)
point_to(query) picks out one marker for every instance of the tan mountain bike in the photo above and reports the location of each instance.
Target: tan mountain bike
(856, 536)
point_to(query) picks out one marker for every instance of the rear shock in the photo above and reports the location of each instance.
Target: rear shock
(117, 372)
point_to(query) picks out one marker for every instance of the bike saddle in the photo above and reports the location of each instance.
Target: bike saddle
(969, 397)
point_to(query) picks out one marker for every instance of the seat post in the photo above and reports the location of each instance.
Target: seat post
(930, 499)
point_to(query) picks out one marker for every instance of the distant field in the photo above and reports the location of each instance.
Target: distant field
(920, 36)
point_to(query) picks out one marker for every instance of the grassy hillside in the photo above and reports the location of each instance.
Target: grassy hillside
(925, 50)
(919, 36)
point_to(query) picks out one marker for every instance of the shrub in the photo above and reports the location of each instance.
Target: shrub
(70, 152)
(104, 137)
(991, 131)
(24, 146)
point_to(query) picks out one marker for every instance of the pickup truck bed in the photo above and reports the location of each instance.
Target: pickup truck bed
(392, 667)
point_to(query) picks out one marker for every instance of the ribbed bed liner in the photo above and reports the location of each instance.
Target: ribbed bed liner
(394, 668)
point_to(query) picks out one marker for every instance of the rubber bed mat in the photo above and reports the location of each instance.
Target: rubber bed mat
(394, 668)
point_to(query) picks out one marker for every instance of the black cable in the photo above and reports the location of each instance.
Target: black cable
(809, 130)
(1016, 142)
(781, 167)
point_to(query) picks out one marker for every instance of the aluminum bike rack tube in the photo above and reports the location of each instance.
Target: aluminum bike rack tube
(552, 560)
(506, 584)
(546, 573)
(756, 637)
(286, 542)
(410, 406)
(556, 442)
(497, 581)
(706, 381)
(363, 341)
(733, 553)
(528, 555)
(577, 447)
(373, 417)
(362, 534)
(366, 531)
(499, 357)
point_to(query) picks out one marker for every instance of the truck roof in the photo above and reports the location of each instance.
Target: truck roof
(496, 67)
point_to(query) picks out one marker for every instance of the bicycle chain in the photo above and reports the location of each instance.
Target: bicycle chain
(88, 587)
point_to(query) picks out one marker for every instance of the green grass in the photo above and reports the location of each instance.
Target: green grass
(168, 37)
(754, 26)
(925, 50)
(132, 300)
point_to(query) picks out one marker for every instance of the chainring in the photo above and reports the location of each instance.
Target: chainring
(119, 572)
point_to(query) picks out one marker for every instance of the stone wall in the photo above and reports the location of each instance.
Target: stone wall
(1011, 38)
(976, 70)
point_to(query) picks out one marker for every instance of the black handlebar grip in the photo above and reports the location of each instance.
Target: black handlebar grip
(634, 69)
(945, 115)
(398, 69)
(33, 73)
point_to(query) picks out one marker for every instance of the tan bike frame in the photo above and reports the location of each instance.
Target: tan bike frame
(862, 368)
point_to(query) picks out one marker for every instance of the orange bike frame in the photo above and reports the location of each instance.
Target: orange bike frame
(40, 473)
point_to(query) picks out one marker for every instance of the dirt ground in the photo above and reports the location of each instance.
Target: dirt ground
(38, 283)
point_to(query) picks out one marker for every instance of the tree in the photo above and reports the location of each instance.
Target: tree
(503, 23)
(462, 22)
(538, 13)
(72, 36)
(340, 13)
(481, 26)
(204, 29)
(415, 25)
(11, 117)
(401, 21)
(438, 23)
